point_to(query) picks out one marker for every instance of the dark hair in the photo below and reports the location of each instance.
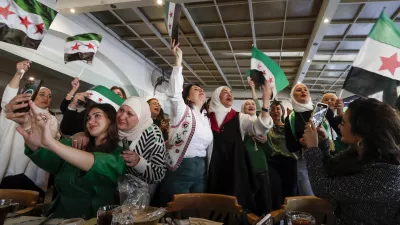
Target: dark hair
(397, 105)
(119, 88)
(379, 126)
(279, 103)
(112, 138)
(186, 93)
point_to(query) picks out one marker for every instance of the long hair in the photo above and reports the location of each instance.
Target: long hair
(379, 127)
(185, 95)
(119, 88)
(112, 138)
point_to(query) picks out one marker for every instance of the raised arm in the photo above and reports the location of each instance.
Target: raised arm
(254, 96)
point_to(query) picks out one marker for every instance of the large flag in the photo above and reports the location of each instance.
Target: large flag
(262, 65)
(375, 71)
(172, 17)
(81, 47)
(24, 22)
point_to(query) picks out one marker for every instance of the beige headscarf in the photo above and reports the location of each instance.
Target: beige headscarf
(53, 122)
(217, 107)
(143, 113)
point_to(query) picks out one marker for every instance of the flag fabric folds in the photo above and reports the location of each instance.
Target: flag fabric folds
(24, 22)
(172, 18)
(263, 65)
(81, 47)
(376, 70)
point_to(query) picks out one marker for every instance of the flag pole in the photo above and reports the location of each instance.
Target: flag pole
(79, 76)
(22, 72)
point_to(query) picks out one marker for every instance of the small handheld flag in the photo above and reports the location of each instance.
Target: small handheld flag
(24, 22)
(376, 70)
(81, 47)
(172, 18)
(264, 66)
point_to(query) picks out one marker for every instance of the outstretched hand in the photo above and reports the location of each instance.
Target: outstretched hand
(177, 52)
(39, 134)
(18, 102)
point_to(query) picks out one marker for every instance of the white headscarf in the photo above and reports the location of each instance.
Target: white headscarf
(143, 113)
(253, 117)
(299, 107)
(53, 122)
(217, 107)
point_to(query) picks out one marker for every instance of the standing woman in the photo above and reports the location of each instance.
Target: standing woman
(230, 170)
(190, 136)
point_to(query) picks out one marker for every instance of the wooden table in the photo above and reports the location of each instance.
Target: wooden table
(30, 220)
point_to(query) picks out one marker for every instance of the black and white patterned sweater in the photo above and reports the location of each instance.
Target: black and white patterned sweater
(151, 149)
(371, 196)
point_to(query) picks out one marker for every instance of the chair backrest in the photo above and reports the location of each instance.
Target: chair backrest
(315, 206)
(221, 208)
(23, 197)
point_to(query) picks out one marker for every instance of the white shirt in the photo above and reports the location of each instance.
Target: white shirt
(203, 135)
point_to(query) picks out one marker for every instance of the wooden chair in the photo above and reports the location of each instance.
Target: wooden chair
(310, 204)
(219, 208)
(27, 199)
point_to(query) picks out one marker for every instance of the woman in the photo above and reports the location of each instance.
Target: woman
(72, 121)
(335, 112)
(364, 180)
(257, 153)
(282, 163)
(190, 136)
(16, 170)
(230, 171)
(145, 155)
(86, 179)
(156, 111)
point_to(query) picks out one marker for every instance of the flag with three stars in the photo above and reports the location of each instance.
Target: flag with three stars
(172, 18)
(376, 69)
(81, 47)
(264, 67)
(24, 22)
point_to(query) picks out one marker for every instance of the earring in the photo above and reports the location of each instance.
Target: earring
(360, 144)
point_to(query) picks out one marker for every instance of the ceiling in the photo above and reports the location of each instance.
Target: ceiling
(216, 37)
(57, 82)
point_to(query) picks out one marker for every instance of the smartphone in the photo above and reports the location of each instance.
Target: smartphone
(319, 114)
(32, 88)
(267, 220)
(257, 77)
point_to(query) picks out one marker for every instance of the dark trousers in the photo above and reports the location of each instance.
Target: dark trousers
(283, 177)
(188, 178)
(20, 181)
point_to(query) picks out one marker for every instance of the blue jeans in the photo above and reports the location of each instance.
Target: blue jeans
(303, 181)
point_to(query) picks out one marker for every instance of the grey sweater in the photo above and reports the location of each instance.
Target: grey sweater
(371, 196)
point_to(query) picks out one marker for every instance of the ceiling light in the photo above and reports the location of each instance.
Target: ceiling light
(308, 60)
(326, 20)
(299, 82)
(159, 2)
(31, 78)
(72, 10)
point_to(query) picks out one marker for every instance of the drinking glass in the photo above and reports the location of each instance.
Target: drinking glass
(299, 218)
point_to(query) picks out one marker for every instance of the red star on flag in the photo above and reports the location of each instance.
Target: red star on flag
(271, 80)
(264, 72)
(39, 28)
(170, 26)
(258, 66)
(390, 63)
(25, 21)
(75, 47)
(6, 11)
(90, 46)
(171, 14)
(100, 100)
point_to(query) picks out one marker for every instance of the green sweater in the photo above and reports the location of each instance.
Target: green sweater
(81, 193)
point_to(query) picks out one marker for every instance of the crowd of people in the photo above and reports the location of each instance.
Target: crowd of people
(260, 155)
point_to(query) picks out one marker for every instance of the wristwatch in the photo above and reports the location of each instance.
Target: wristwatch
(264, 109)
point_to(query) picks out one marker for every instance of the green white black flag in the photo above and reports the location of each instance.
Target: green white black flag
(172, 18)
(24, 22)
(81, 47)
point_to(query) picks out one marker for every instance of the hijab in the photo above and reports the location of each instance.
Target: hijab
(143, 113)
(216, 106)
(300, 107)
(252, 117)
(53, 121)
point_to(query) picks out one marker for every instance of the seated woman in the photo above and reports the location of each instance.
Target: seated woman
(145, 157)
(86, 179)
(364, 180)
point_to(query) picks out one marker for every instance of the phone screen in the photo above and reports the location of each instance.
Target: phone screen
(32, 88)
(319, 114)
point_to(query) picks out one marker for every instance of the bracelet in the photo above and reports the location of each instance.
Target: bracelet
(68, 94)
(264, 109)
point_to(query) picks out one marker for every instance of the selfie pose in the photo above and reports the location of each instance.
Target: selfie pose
(16, 170)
